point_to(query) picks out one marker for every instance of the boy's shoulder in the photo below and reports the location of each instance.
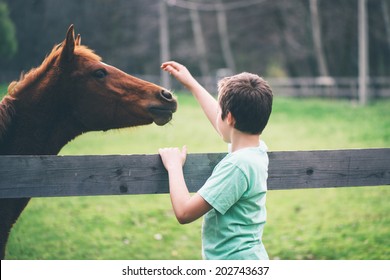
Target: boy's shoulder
(248, 157)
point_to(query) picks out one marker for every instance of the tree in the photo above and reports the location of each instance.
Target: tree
(297, 37)
(317, 38)
(9, 44)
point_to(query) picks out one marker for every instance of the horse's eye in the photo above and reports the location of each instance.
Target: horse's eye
(100, 73)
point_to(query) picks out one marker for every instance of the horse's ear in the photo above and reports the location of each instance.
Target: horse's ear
(78, 40)
(69, 43)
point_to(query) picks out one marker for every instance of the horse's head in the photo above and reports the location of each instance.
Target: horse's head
(102, 97)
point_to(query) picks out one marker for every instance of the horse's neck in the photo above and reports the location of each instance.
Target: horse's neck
(29, 131)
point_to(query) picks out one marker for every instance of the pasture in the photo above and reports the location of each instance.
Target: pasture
(350, 223)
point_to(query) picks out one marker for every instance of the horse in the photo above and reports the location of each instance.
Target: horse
(70, 93)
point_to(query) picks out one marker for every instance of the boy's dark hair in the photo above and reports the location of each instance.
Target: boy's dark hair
(248, 98)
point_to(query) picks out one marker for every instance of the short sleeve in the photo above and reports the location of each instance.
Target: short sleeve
(224, 187)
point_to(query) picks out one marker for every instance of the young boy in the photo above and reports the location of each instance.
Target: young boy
(233, 197)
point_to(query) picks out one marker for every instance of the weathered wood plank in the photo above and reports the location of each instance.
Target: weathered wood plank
(332, 168)
(49, 176)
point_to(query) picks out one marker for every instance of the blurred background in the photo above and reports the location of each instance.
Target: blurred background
(323, 59)
(297, 44)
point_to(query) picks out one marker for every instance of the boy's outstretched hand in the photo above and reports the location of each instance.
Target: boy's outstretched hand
(181, 73)
(173, 158)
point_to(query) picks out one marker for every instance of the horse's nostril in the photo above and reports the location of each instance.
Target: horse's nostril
(166, 94)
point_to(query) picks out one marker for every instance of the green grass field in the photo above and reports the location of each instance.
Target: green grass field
(343, 223)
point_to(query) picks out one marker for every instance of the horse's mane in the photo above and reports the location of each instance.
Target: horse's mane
(6, 113)
(7, 110)
(36, 75)
(87, 53)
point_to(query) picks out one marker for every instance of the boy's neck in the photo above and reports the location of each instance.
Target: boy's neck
(240, 140)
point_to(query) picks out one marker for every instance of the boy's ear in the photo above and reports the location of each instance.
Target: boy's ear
(230, 119)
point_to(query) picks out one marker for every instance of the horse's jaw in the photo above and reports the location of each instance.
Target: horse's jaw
(161, 116)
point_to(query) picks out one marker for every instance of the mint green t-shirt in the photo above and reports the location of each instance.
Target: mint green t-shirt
(236, 190)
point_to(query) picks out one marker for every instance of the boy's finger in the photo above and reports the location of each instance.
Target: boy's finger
(161, 152)
(184, 154)
(166, 64)
(170, 69)
(172, 64)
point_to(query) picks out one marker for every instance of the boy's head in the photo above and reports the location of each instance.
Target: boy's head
(248, 98)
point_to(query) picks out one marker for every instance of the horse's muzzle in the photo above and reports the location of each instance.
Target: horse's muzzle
(162, 114)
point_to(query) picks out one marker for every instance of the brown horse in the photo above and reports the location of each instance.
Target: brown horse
(70, 93)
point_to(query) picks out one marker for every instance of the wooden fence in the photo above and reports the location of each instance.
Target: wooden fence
(329, 87)
(51, 176)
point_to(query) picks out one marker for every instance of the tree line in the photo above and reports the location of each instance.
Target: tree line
(275, 38)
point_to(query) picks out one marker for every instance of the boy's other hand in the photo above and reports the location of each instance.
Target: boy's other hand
(172, 157)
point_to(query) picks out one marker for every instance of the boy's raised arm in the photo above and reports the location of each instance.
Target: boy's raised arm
(205, 99)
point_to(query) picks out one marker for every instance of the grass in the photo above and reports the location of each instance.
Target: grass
(3, 90)
(343, 223)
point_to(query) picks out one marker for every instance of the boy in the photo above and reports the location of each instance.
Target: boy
(233, 197)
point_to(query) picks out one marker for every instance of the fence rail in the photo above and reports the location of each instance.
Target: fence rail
(333, 87)
(51, 176)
